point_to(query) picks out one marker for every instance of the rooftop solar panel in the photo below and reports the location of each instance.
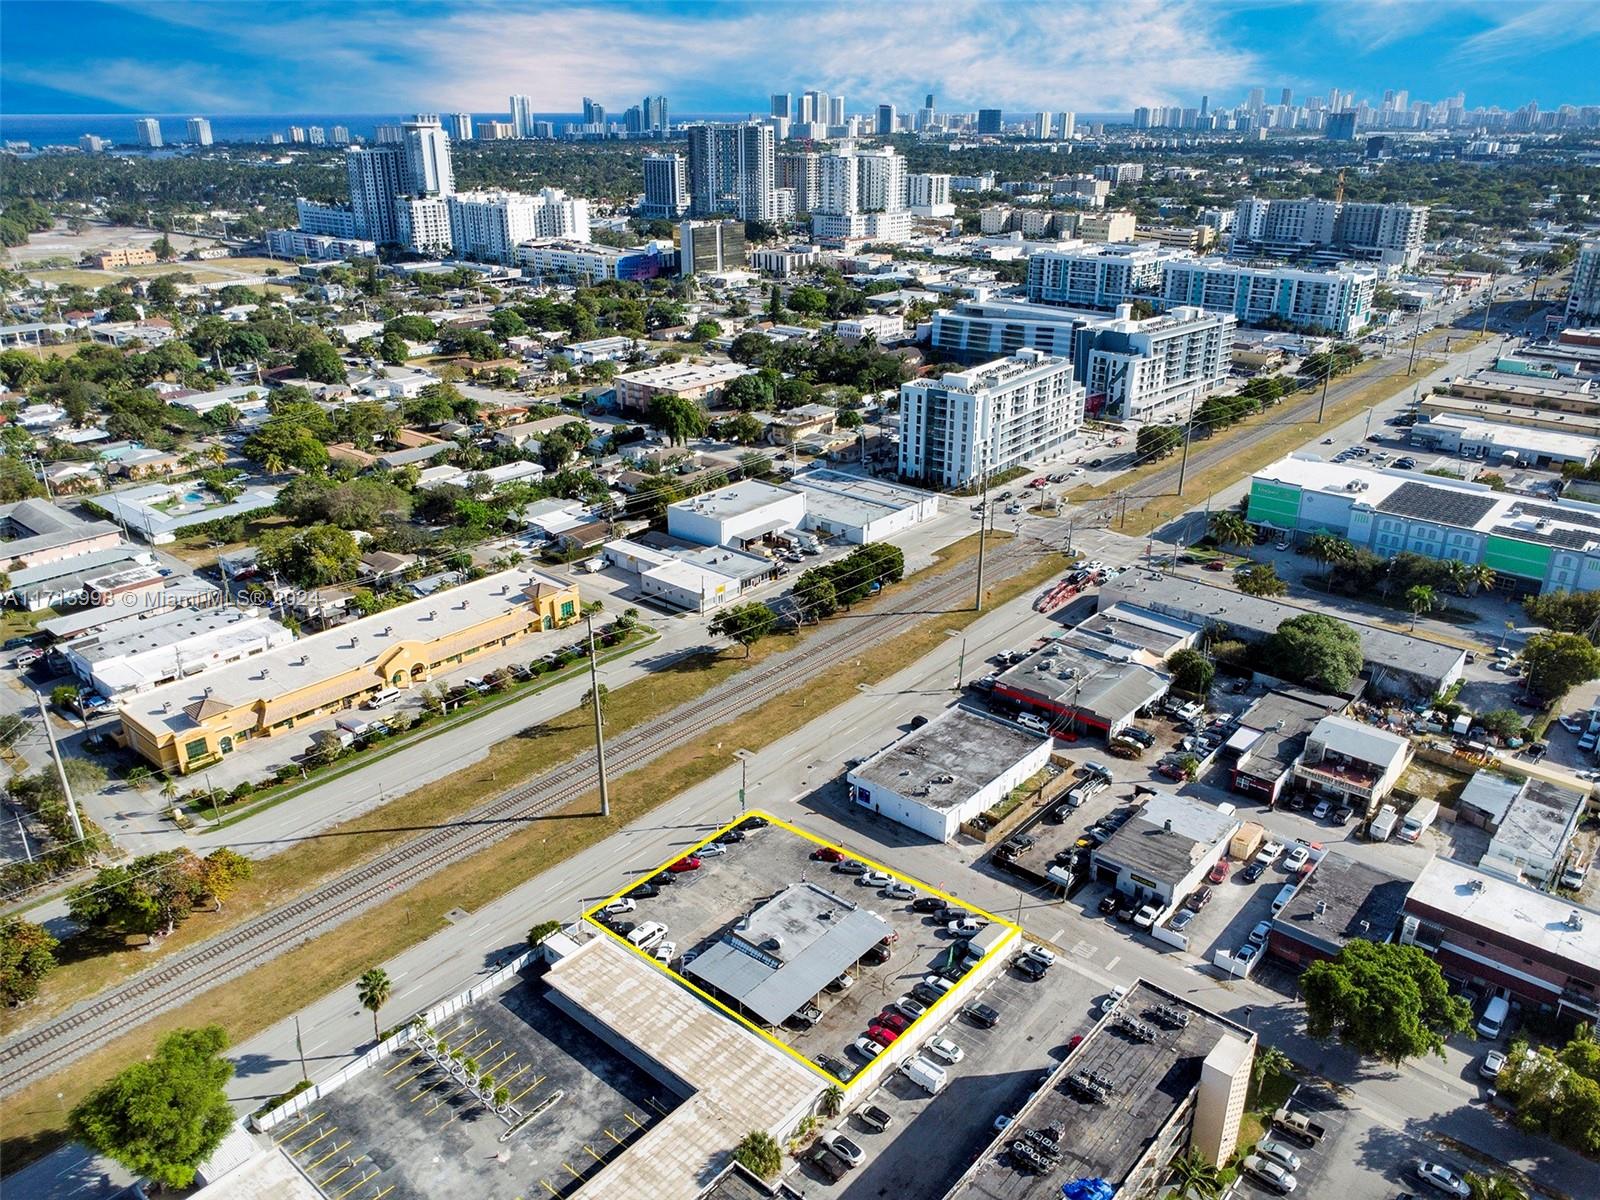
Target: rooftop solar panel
(1443, 506)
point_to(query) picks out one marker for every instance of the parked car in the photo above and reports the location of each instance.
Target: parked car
(842, 982)
(967, 927)
(1258, 935)
(688, 862)
(617, 907)
(943, 1049)
(982, 1014)
(850, 867)
(1493, 1063)
(1145, 918)
(852, 1154)
(1253, 871)
(1030, 967)
(1269, 1173)
(1218, 872)
(827, 854)
(1442, 1179)
(644, 891)
(875, 879)
(1182, 920)
(927, 904)
(867, 1048)
(876, 956)
(1298, 857)
(1322, 810)
(1247, 954)
(666, 952)
(912, 1008)
(1109, 903)
(711, 850)
(1198, 898)
(1279, 1152)
(732, 837)
(875, 1118)
(896, 890)
(882, 1034)
(889, 1019)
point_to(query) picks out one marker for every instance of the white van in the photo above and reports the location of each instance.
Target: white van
(648, 935)
(927, 1075)
(1285, 894)
(379, 699)
(1029, 721)
(1493, 1021)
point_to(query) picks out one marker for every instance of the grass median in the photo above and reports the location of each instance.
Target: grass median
(34, 1119)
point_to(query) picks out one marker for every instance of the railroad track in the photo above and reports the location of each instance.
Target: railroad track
(38, 1052)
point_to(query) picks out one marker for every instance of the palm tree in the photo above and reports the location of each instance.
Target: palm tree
(1481, 577)
(1328, 549)
(1195, 1178)
(832, 1100)
(1420, 598)
(1455, 574)
(372, 989)
(1495, 1187)
(1228, 528)
(1269, 1061)
(169, 789)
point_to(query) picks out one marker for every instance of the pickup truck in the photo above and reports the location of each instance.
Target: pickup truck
(1298, 1126)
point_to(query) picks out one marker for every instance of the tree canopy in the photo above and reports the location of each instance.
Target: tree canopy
(746, 624)
(310, 555)
(1316, 649)
(27, 955)
(1385, 1000)
(1557, 662)
(1192, 671)
(163, 1117)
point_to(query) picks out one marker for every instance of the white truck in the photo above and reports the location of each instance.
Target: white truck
(1423, 814)
(1383, 824)
(927, 1075)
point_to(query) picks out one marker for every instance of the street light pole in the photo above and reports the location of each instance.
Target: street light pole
(983, 522)
(599, 729)
(300, 1046)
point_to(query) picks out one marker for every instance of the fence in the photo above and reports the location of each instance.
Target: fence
(445, 1008)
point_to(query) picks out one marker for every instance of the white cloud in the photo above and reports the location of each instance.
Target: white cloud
(1104, 55)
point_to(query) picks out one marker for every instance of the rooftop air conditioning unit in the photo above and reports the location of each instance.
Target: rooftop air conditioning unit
(1574, 920)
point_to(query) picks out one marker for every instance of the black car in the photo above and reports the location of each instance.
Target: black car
(1108, 904)
(755, 822)
(1253, 872)
(732, 837)
(982, 1014)
(1198, 899)
(918, 721)
(644, 891)
(1143, 736)
(833, 1066)
(663, 879)
(876, 957)
(1026, 964)
(1125, 909)
(927, 904)
(1096, 462)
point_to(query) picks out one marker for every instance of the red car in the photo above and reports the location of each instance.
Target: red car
(893, 1020)
(1039, 482)
(1219, 872)
(882, 1034)
(827, 854)
(1216, 564)
(1169, 771)
(687, 863)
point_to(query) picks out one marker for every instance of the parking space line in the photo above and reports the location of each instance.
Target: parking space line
(401, 1063)
(425, 1091)
(298, 1128)
(527, 1089)
(332, 1129)
(384, 1193)
(341, 1146)
(354, 1162)
(548, 1188)
(613, 1137)
(638, 1124)
(412, 1078)
(510, 1054)
(653, 1103)
(443, 1100)
(463, 1046)
(571, 1172)
(592, 1153)
(519, 1071)
(357, 1183)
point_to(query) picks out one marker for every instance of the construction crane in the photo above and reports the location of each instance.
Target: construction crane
(1338, 189)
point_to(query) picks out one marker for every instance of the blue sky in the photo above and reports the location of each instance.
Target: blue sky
(225, 56)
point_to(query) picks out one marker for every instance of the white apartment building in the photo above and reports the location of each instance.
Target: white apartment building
(423, 224)
(330, 220)
(958, 428)
(1339, 301)
(521, 116)
(148, 130)
(861, 198)
(1583, 300)
(1099, 276)
(199, 131)
(666, 187)
(1329, 231)
(801, 173)
(488, 226)
(459, 126)
(929, 196)
(318, 247)
(1156, 368)
(428, 171)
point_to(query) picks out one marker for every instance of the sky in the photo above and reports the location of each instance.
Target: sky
(352, 56)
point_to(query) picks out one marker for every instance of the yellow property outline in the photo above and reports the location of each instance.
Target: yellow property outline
(924, 889)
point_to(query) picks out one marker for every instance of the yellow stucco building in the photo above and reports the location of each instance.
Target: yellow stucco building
(188, 725)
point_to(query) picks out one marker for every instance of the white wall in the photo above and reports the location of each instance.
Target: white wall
(711, 527)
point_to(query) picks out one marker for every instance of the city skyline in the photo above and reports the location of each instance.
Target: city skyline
(224, 58)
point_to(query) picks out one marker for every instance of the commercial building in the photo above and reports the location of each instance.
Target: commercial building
(1092, 681)
(861, 198)
(928, 195)
(1344, 899)
(1533, 832)
(1100, 276)
(694, 381)
(970, 423)
(1395, 664)
(736, 515)
(489, 226)
(199, 130)
(1531, 545)
(710, 247)
(57, 583)
(185, 726)
(1502, 445)
(1125, 1102)
(666, 187)
(1152, 369)
(590, 262)
(158, 512)
(686, 575)
(1327, 232)
(882, 328)
(859, 509)
(1583, 298)
(1506, 939)
(936, 778)
(782, 263)
(156, 647)
(131, 256)
(1351, 763)
(1338, 301)
(417, 164)
(727, 1079)
(34, 533)
(1261, 753)
(295, 243)
(1163, 852)
(989, 122)
(785, 951)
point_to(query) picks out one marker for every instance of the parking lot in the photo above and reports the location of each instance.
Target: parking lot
(407, 1130)
(931, 1140)
(700, 905)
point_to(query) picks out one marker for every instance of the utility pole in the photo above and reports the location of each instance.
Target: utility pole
(1183, 463)
(599, 730)
(1327, 374)
(61, 771)
(301, 1047)
(1415, 334)
(1488, 303)
(983, 521)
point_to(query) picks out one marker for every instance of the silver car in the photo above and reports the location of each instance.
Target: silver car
(1269, 1173)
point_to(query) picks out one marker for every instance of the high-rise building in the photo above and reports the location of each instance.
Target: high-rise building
(1153, 369)
(633, 120)
(1286, 97)
(989, 121)
(1340, 126)
(1257, 100)
(316, 135)
(297, 134)
(1099, 276)
(710, 246)
(91, 144)
(339, 135)
(428, 171)
(424, 224)
(666, 187)
(861, 198)
(886, 119)
(782, 104)
(1583, 298)
(325, 220)
(732, 169)
(1068, 126)
(1338, 301)
(968, 424)
(522, 115)
(1328, 231)
(656, 118)
(377, 175)
(929, 195)
(199, 131)
(488, 226)
(801, 173)
(594, 113)
(389, 134)
(459, 126)
(148, 131)
(836, 111)
(1044, 125)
